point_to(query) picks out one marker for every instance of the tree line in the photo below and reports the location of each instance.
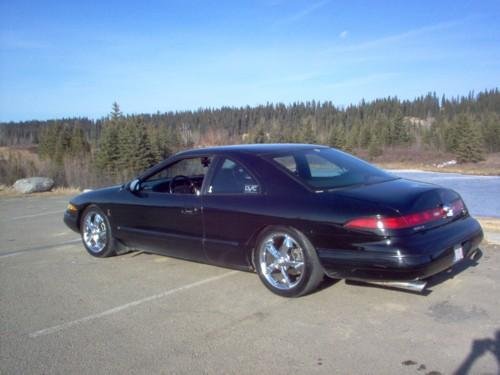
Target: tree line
(119, 145)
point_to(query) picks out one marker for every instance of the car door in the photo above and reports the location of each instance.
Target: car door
(232, 206)
(159, 218)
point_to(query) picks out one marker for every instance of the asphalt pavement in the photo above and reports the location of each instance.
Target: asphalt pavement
(65, 312)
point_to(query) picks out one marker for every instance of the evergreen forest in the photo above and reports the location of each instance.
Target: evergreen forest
(84, 152)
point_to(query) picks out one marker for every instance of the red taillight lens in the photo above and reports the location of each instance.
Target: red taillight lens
(407, 221)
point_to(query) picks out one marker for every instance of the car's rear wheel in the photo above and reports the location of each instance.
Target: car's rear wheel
(96, 232)
(287, 262)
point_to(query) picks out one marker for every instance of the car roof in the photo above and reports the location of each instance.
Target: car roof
(261, 148)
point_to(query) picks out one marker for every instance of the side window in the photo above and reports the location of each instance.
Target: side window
(321, 167)
(187, 167)
(232, 178)
(288, 162)
(184, 177)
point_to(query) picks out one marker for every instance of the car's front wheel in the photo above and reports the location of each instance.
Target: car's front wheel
(287, 262)
(96, 232)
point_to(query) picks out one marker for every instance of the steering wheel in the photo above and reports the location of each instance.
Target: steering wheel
(180, 177)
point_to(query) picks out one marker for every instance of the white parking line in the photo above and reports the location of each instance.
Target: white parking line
(38, 248)
(114, 310)
(36, 215)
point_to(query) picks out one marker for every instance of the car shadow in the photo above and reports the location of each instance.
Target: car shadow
(433, 281)
(455, 270)
(387, 287)
(478, 349)
(326, 283)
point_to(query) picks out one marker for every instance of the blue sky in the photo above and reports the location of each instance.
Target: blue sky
(74, 58)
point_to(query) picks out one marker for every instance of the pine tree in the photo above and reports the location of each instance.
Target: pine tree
(78, 144)
(163, 142)
(400, 134)
(450, 135)
(337, 138)
(278, 136)
(112, 146)
(48, 141)
(260, 136)
(134, 152)
(375, 147)
(174, 140)
(108, 152)
(307, 135)
(116, 113)
(62, 145)
(469, 146)
(364, 136)
(491, 131)
(142, 156)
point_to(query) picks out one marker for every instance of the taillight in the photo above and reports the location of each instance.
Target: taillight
(407, 221)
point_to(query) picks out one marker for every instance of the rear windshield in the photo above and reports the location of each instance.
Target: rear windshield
(326, 168)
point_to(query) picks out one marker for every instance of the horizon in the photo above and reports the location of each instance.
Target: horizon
(62, 60)
(243, 107)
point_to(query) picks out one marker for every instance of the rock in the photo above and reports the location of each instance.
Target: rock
(33, 185)
(446, 163)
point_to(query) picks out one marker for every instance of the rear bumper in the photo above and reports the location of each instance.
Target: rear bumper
(407, 258)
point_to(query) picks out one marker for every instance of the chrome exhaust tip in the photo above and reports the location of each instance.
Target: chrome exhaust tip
(476, 255)
(413, 286)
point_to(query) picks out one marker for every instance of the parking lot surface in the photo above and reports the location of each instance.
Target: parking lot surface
(65, 312)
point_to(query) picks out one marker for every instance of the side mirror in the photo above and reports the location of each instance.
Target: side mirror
(134, 185)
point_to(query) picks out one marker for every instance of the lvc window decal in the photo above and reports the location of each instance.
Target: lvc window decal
(251, 189)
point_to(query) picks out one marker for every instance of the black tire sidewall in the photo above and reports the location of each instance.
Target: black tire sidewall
(108, 249)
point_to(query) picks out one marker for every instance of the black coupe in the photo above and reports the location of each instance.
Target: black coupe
(293, 213)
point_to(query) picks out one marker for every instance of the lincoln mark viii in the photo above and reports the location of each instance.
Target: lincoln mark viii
(292, 213)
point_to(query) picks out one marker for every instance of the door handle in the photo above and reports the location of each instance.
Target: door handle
(189, 211)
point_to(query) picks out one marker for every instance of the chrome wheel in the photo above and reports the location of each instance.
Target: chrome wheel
(281, 261)
(95, 232)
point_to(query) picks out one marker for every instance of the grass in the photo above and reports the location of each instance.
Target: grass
(468, 168)
(427, 160)
(8, 191)
(490, 223)
(491, 228)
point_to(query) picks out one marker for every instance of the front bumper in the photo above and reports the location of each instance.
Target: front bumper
(407, 258)
(71, 220)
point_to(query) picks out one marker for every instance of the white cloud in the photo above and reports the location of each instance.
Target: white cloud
(303, 13)
(343, 34)
(395, 38)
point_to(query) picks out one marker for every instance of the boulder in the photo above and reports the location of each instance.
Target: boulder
(33, 185)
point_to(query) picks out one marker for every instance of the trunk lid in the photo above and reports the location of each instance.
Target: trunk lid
(409, 199)
(401, 195)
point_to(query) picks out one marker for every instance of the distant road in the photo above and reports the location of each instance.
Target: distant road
(480, 193)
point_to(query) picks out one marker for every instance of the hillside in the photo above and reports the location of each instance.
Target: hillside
(427, 130)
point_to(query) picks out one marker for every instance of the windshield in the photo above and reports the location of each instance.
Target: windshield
(326, 168)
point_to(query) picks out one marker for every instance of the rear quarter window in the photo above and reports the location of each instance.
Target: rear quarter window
(321, 167)
(326, 168)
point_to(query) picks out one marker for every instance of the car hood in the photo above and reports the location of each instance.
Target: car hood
(402, 195)
(96, 196)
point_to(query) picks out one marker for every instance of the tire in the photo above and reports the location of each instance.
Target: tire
(97, 236)
(287, 263)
